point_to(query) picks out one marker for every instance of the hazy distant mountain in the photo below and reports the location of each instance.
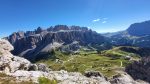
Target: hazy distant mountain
(32, 43)
(137, 34)
(139, 29)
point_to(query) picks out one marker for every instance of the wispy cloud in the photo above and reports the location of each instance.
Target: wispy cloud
(96, 20)
(101, 20)
(88, 27)
(104, 22)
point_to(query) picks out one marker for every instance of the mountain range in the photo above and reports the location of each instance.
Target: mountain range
(138, 34)
(116, 55)
(31, 44)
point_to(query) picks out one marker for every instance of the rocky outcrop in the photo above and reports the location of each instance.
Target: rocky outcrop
(8, 62)
(140, 69)
(43, 67)
(32, 43)
(124, 78)
(63, 77)
(5, 48)
(71, 48)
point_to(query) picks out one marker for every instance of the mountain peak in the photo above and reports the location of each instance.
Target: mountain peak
(45, 40)
(139, 29)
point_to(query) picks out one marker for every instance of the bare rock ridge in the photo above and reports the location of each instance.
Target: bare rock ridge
(32, 43)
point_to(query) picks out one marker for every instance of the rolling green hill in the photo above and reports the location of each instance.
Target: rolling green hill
(108, 62)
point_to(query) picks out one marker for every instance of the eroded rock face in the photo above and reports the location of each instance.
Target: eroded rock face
(71, 48)
(31, 43)
(8, 62)
(5, 48)
(140, 69)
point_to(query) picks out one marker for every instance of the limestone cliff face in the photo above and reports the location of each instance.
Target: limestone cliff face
(140, 69)
(34, 42)
(8, 62)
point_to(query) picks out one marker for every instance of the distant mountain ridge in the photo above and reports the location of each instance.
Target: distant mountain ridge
(138, 34)
(139, 29)
(32, 43)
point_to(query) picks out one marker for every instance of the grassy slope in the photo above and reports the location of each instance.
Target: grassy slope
(117, 52)
(90, 61)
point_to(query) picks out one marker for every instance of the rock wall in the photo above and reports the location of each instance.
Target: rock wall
(140, 69)
(31, 43)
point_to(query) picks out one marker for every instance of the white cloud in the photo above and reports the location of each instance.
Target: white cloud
(96, 20)
(104, 22)
(89, 27)
(101, 20)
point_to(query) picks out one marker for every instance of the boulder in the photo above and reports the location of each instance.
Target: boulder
(5, 48)
(127, 57)
(93, 73)
(18, 63)
(33, 67)
(43, 67)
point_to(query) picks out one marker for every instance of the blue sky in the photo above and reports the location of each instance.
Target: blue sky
(99, 15)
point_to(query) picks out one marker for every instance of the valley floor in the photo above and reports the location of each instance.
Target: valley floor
(107, 62)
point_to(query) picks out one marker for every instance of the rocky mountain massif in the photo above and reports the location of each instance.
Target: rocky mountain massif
(30, 44)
